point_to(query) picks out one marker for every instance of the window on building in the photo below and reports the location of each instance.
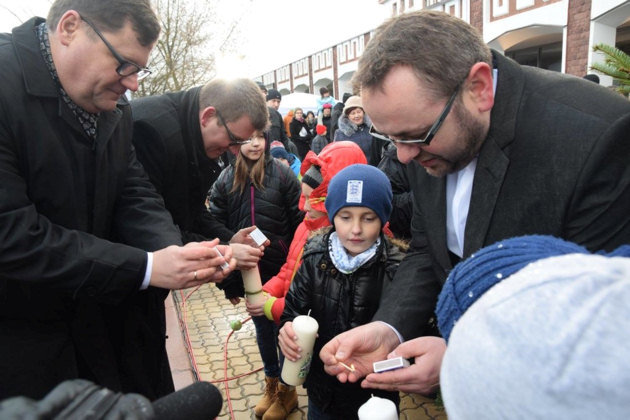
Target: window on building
(623, 38)
(410, 4)
(544, 56)
(395, 9)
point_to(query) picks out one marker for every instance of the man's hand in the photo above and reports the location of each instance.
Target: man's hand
(246, 256)
(360, 346)
(195, 263)
(242, 237)
(422, 377)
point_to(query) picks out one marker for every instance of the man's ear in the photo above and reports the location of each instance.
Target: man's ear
(479, 86)
(68, 26)
(206, 114)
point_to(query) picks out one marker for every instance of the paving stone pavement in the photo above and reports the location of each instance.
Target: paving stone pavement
(199, 319)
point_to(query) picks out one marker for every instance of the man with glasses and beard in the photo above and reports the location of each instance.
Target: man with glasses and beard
(494, 150)
(180, 139)
(87, 250)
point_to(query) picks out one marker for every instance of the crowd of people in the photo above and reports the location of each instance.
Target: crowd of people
(459, 210)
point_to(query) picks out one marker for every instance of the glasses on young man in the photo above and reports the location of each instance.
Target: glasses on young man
(234, 140)
(126, 67)
(430, 134)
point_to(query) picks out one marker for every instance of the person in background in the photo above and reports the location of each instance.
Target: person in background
(277, 131)
(320, 141)
(259, 190)
(336, 113)
(340, 281)
(287, 121)
(311, 122)
(326, 119)
(324, 98)
(181, 139)
(483, 168)
(88, 252)
(278, 151)
(354, 125)
(300, 133)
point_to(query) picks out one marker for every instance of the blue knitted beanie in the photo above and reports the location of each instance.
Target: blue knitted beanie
(360, 185)
(472, 277)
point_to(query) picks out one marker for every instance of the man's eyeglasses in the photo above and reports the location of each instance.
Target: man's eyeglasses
(430, 134)
(126, 67)
(234, 140)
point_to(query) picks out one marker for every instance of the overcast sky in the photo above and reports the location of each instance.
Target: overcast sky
(271, 33)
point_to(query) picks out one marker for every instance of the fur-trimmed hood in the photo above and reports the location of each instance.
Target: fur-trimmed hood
(348, 128)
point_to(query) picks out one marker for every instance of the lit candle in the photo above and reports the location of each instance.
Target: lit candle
(378, 409)
(253, 286)
(305, 328)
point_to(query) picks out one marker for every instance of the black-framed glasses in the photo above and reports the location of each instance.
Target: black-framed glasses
(234, 140)
(430, 134)
(126, 67)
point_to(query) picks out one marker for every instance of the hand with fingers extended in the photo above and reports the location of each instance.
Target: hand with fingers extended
(195, 263)
(243, 237)
(360, 347)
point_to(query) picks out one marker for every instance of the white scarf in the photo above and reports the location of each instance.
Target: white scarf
(345, 262)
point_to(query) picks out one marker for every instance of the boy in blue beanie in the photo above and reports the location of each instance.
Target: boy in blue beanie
(340, 282)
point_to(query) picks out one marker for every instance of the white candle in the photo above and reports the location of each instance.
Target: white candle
(253, 286)
(378, 409)
(305, 328)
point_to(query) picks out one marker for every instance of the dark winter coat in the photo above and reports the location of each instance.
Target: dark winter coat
(372, 147)
(167, 138)
(400, 219)
(76, 219)
(278, 132)
(338, 302)
(336, 113)
(303, 143)
(274, 210)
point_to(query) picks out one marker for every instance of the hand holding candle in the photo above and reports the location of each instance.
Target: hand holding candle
(305, 328)
(253, 286)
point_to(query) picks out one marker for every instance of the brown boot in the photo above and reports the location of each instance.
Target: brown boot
(271, 388)
(285, 402)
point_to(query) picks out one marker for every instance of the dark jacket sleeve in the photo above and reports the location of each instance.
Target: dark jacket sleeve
(400, 219)
(298, 298)
(409, 302)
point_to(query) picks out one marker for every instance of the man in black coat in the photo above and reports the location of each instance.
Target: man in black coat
(87, 250)
(277, 131)
(494, 150)
(180, 139)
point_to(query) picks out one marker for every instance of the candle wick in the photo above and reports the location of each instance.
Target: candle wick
(309, 313)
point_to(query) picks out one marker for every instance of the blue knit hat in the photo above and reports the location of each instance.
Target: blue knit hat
(472, 277)
(280, 153)
(360, 185)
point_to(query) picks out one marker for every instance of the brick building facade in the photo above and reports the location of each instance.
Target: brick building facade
(553, 34)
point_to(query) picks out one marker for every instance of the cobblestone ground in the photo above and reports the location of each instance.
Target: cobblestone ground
(205, 315)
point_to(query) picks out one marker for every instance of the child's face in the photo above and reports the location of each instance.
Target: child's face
(256, 148)
(310, 212)
(357, 228)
